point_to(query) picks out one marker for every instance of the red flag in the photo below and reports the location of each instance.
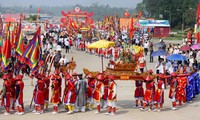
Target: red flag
(131, 29)
(6, 50)
(140, 13)
(198, 23)
(198, 13)
(38, 11)
(73, 25)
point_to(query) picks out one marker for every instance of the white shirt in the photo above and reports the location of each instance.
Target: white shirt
(160, 67)
(141, 59)
(146, 44)
(176, 51)
(61, 40)
(198, 56)
(63, 59)
(58, 47)
(66, 42)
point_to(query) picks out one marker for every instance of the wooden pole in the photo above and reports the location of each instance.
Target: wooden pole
(102, 62)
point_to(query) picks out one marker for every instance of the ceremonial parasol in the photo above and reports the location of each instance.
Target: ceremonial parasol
(176, 57)
(195, 47)
(9, 19)
(159, 53)
(160, 44)
(101, 44)
(185, 48)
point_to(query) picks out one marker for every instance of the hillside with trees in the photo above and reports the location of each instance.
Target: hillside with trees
(178, 12)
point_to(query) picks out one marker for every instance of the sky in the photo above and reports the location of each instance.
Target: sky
(112, 3)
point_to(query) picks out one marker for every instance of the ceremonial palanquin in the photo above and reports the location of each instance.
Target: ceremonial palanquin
(125, 67)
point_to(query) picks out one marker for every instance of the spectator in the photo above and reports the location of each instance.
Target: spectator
(151, 51)
(146, 46)
(63, 60)
(67, 45)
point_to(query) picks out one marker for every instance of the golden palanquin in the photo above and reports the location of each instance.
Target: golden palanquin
(121, 74)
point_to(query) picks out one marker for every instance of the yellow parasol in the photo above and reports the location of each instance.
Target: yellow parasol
(101, 44)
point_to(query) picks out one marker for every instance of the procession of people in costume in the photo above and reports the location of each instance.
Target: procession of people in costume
(79, 94)
(85, 93)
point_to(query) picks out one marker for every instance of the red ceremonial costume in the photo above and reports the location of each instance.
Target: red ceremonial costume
(59, 79)
(46, 90)
(90, 90)
(70, 98)
(12, 88)
(159, 94)
(39, 95)
(19, 86)
(112, 96)
(91, 86)
(149, 92)
(172, 91)
(181, 94)
(116, 53)
(139, 92)
(6, 94)
(99, 91)
(148, 96)
(55, 98)
(105, 95)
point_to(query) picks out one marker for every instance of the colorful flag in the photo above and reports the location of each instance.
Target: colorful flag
(20, 47)
(6, 51)
(33, 52)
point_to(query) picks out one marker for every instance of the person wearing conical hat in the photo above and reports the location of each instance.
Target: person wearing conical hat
(70, 97)
(159, 94)
(112, 96)
(148, 95)
(6, 94)
(99, 91)
(19, 85)
(173, 90)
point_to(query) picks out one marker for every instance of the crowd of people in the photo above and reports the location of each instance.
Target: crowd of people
(82, 93)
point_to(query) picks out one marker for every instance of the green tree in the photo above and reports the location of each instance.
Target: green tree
(178, 12)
